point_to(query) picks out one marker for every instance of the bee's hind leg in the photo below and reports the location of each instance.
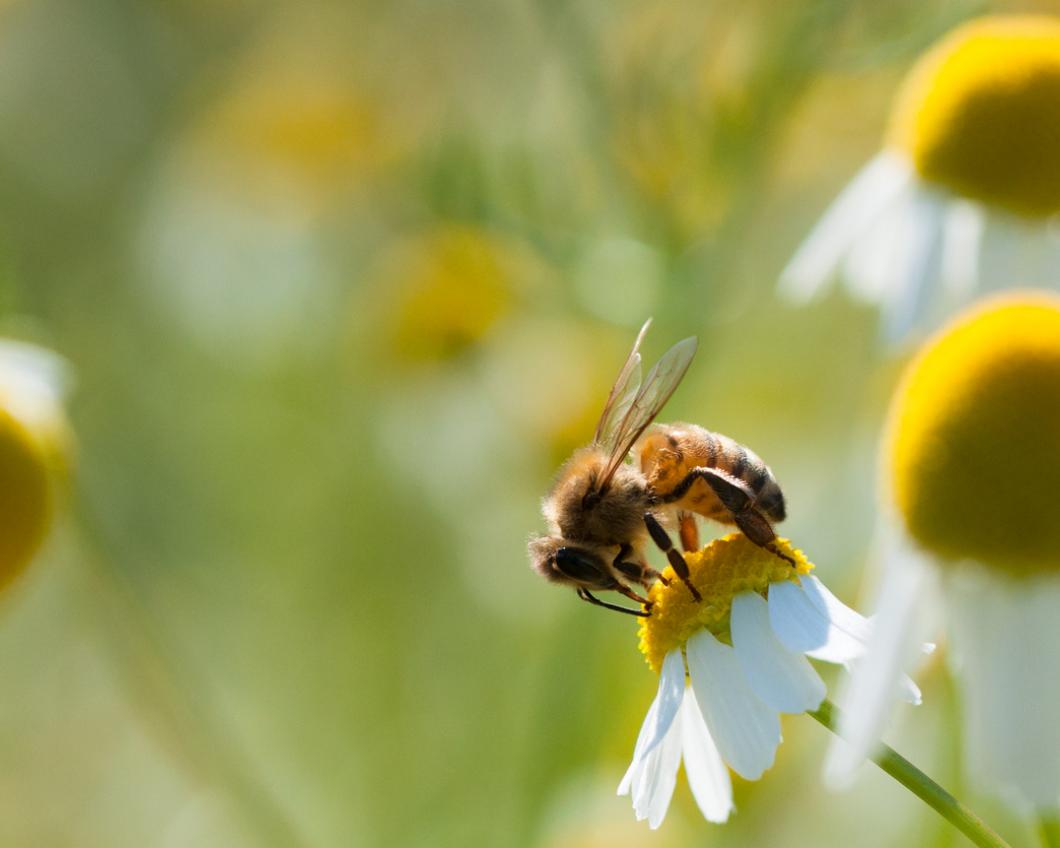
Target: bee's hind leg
(738, 500)
(756, 528)
(586, 595)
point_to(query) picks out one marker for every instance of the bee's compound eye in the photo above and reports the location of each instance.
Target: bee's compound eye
(578, 565)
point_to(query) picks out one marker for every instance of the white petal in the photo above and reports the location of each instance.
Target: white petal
(810, 619)
(783, 679)
(1007, 640)
(851, 212)
(27, 362)
(33, 381)
(915, 258)
(654, 784)
(869, 266)
(660, 715)
(907, 689)
(745, 730)
(671, 691)
(708, 778)
(962, 232)
(1016, 251)
(636, 763)
(909, 692)
(893, 645)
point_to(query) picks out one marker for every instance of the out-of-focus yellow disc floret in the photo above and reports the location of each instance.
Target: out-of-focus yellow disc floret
(722, 569)
(448, 288)
(25, 497)
(974, 437)
(35, 451)
(980, 113)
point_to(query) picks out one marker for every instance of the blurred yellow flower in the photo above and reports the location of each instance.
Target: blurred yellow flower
(444, 290)
(299, 120)
(972, 458)
(961, 197)
(975, 437)
(233, 234)
(980, 113)
(313, 127)
(34, 451)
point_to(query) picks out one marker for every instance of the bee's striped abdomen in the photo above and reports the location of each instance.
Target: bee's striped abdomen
(669, 452)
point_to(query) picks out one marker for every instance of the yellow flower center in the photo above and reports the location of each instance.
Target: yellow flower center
(975, 437)
(25, 496)
(721, 570)
(980, 113)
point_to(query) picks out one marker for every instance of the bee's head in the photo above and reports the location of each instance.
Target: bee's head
(560, 562)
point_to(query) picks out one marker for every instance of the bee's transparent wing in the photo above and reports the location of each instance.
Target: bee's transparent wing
(657, 388)
(622, 394)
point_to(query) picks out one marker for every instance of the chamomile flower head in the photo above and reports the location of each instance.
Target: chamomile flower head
(968, 180)
(972, 464)
(34, 448)
(728, 666)
(974, 438)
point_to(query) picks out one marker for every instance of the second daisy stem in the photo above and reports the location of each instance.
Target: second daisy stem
(923, 787)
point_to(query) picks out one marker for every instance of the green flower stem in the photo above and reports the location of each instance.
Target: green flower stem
(1049, 829)
(923, 787)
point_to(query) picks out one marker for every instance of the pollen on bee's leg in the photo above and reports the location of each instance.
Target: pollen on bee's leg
(703, 601)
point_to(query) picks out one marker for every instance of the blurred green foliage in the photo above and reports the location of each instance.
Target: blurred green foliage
(341, 285)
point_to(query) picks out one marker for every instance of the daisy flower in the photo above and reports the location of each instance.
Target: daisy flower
(972, 457)
(965, 188)
(34, 449)
(729, 666)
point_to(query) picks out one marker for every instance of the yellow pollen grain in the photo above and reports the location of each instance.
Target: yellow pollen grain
(974, 437)
(721, 570)
(979, 113)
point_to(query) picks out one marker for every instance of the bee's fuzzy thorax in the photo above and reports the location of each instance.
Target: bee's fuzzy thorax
(617, 513)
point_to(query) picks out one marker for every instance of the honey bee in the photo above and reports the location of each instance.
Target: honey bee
(602, 511)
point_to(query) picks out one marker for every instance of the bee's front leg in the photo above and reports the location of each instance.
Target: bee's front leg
(638, 572)
(586, 595)
(665, 543)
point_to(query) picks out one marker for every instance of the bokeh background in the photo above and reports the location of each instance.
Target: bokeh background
(341, 285)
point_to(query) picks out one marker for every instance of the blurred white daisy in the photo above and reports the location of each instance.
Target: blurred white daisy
(743, 651)
(965, 193)
(35, 449)
(973, 460)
